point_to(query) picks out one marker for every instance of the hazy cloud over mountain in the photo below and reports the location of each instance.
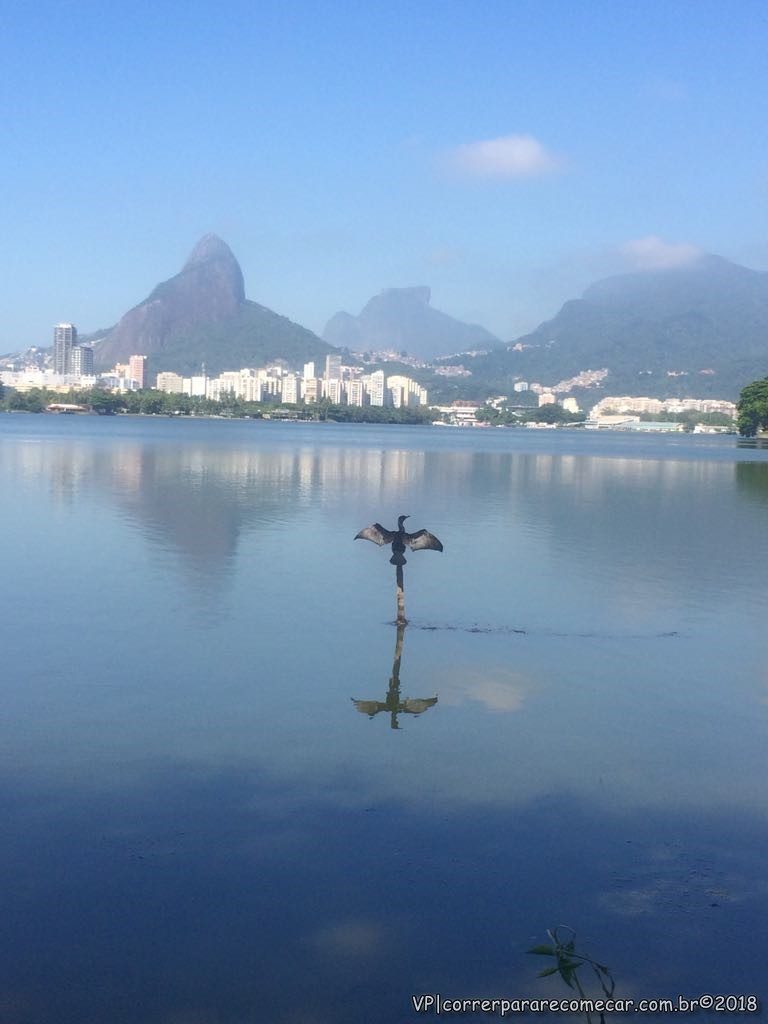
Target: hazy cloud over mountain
(653, 253)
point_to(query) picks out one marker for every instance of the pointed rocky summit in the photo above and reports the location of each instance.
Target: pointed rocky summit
(202, 316)
(208, 289)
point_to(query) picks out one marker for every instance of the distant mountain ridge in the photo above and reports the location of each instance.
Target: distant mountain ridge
(697, 329)
(201, 315)
(402, 319)
(700, 329)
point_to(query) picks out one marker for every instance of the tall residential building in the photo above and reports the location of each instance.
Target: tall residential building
(309, 371)
(81, 361)
(355, 392)
(64, 338)
(333, 367)
(290, 392)
(137, 369)
(377, 388)
(334, 391)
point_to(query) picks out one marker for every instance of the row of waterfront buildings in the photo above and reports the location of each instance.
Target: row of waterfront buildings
(73, 368)
(339, 384)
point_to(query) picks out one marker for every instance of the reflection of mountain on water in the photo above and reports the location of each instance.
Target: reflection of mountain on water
(196, 501)
(196, 491)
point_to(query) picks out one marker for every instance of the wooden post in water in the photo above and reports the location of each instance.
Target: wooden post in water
(401, 619)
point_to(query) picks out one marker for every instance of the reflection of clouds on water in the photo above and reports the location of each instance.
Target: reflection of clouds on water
(350, 939)
(495, 688)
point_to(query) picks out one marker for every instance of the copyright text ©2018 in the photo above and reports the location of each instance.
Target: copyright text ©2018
(437, 1004)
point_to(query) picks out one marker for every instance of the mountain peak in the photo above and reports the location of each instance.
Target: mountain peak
(210, 247)
(201, 315)
(402, 319)
(418, 295)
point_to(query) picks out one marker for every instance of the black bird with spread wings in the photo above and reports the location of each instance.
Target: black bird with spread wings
(399, 539)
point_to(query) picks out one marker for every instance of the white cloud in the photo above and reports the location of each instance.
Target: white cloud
(511, 156)
(653, 253)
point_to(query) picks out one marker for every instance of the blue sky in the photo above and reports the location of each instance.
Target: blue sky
(504, 153)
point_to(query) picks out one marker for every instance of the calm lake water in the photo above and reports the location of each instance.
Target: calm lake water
(201, 826)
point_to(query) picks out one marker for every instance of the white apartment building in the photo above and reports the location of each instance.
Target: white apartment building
(170, 383)
(355, 393)
(405, 392)
(334, 391)
(375, 384)
(311, 390)
(291, 390)
(195, 387)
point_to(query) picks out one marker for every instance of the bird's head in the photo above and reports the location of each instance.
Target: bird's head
(401, 520)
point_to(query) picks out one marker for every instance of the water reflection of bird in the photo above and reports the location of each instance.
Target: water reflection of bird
(394, 704)
(399, 539)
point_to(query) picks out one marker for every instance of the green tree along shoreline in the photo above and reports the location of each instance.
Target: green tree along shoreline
(159, 403)
(752, 408)
(535, 414)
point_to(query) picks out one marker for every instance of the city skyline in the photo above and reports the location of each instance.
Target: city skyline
(506, 156)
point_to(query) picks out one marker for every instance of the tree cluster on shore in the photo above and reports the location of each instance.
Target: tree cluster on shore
(535, 414)
(158, 403)
(752, 408)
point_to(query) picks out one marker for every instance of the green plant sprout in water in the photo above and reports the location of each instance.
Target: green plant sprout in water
(568, 961)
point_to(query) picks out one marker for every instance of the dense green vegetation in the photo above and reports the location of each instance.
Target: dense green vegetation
(544, 414)
(689, 418)
(753, 408)
(158, 403)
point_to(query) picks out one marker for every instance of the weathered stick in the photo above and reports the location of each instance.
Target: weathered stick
(401, 619)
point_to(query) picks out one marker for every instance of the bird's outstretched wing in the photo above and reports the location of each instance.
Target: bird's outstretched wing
(377, 534)
(422, 539)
